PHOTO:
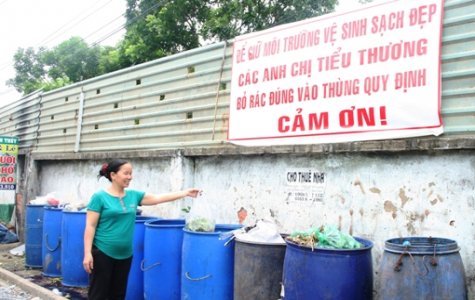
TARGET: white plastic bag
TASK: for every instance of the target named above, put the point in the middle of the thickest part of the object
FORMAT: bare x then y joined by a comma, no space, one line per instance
265,231
200,217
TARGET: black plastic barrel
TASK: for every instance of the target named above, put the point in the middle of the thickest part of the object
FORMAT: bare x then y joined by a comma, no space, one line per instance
422,268
51,250
258,270
322,273
34,235
135,281
72,250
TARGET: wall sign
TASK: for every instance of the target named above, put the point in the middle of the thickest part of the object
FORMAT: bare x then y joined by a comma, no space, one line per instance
371,73
8,161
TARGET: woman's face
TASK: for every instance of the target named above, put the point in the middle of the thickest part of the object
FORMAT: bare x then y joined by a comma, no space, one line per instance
123,175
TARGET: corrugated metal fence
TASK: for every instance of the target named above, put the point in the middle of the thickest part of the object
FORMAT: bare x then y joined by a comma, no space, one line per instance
182,101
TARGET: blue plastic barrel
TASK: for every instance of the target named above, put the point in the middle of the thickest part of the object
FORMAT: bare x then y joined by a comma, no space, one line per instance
72,250
51,248
422,268
162,258
34,235
207,270
135,281
321,273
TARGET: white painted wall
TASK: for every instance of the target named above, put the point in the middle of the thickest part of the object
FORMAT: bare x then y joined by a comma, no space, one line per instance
375,196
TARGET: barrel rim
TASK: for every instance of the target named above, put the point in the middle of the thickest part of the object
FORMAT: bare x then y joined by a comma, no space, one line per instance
283,235
53,208
366,243
259,243
73,212
228,227
176,223
440,246
143,219
37,205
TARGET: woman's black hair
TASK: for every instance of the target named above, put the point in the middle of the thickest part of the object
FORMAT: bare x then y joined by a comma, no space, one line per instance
112,166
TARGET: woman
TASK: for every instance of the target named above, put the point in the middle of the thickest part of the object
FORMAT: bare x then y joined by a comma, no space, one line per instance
110,222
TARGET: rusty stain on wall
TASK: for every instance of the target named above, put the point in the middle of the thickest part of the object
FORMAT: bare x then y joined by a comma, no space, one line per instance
412,218
351,222
242,215
375,190
358,183
404,198
440,198
390,207
342,199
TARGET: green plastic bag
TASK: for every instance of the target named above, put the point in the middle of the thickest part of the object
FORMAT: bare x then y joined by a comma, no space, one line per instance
331,237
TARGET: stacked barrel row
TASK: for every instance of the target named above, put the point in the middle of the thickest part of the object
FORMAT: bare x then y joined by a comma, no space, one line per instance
54,242
171,262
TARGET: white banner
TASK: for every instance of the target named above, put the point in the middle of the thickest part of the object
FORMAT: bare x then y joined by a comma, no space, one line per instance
372,73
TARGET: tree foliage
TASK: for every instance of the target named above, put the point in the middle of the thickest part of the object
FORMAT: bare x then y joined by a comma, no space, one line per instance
230,18
154,29
71,61
160,28
30,71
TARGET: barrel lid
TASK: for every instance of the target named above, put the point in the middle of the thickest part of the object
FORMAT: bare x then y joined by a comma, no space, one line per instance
421,245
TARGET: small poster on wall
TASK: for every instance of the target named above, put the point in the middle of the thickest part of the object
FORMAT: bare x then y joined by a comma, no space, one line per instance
368,74
8,161
304,186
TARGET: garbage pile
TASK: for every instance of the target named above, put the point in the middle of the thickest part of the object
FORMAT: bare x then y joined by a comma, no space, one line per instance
50,199
327,236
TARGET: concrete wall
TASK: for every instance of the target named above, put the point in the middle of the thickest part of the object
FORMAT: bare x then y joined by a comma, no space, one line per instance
372,195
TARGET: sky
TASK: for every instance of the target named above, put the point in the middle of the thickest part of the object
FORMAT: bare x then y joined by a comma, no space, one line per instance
33,23
47,23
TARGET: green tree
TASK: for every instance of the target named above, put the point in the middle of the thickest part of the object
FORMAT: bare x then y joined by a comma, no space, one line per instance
109,60
70,61
30,72
156,28
74,59
230,18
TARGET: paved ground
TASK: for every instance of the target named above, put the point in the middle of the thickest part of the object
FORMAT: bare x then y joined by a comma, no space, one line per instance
19,282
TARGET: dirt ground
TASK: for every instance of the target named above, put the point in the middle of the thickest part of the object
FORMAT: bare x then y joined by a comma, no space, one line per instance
16,264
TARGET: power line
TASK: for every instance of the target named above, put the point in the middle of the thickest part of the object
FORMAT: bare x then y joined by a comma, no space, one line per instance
102,27
65,28
6,65
131,21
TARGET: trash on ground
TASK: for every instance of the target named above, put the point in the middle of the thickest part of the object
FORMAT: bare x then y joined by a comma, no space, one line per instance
18,251
327,236
7,236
